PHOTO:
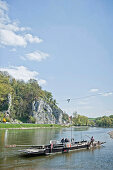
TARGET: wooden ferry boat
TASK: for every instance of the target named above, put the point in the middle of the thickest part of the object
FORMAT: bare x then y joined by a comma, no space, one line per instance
57,147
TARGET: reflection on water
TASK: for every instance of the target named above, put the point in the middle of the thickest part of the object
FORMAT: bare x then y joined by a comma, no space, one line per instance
100,158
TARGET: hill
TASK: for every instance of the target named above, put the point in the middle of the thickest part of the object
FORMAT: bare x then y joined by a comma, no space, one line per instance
27,102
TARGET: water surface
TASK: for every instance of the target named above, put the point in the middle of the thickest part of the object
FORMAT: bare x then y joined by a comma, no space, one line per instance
97,159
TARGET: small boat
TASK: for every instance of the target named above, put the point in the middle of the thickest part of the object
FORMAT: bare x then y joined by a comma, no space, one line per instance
57,147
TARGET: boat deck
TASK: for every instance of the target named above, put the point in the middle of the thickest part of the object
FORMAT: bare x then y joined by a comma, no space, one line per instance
62,148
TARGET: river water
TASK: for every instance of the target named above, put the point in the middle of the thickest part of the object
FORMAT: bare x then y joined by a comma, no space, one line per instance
97,159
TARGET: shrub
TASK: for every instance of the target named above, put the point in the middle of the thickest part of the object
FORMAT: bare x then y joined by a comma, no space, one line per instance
32,119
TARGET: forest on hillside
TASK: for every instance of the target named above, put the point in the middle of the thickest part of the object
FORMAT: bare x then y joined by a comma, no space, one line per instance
22,95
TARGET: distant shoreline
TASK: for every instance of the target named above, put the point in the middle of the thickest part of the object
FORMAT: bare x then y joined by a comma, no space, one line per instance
111,134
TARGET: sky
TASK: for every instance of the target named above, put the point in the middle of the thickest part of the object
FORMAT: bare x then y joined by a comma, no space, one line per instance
66,45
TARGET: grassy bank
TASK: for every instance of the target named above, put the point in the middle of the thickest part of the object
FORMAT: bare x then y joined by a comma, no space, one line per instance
26,125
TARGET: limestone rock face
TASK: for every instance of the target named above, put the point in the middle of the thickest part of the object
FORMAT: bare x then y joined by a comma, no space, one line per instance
44,114
9,103
58,114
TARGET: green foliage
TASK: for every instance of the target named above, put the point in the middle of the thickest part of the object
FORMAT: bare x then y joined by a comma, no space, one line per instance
65,117
23,94
27,125
79,120
104,121
5,89
8,119
1,117
91,123
32,119
49,99
111,116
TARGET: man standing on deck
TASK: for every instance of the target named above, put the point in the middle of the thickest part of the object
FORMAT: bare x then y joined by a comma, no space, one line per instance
62,141
92,140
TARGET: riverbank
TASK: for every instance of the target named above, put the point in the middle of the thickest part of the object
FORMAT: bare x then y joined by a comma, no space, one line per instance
111,134
28,126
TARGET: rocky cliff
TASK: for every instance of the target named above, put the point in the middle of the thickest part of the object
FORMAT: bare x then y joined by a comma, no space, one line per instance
16,102
45,114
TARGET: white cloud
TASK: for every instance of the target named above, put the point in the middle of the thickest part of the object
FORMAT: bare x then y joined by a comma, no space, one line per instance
94,90
36,56
42,82
10,33
31,39
8,37
3,5
12,26
22,73
3,13
107,94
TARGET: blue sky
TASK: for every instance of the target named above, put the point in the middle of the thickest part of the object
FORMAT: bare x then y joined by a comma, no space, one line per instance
66,45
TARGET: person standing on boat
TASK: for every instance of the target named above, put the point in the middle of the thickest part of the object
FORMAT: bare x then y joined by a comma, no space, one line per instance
62,141
72,140
66,140
92,140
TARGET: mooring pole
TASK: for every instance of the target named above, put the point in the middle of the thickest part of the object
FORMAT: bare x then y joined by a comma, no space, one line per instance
71,128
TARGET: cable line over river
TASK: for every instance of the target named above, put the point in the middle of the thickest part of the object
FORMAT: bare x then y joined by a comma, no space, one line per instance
88,96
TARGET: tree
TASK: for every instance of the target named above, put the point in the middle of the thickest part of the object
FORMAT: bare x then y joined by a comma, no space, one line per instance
104,121
5,89
80,120
22,94
65,117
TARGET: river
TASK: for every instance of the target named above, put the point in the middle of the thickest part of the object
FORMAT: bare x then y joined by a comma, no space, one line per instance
97,159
